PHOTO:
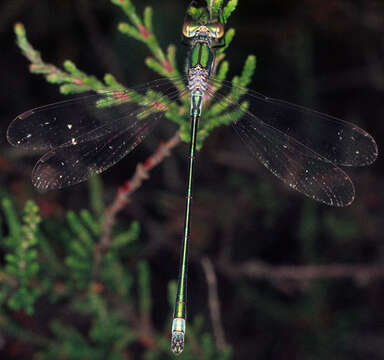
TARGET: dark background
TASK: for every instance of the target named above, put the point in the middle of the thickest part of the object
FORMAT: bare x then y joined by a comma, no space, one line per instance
327,55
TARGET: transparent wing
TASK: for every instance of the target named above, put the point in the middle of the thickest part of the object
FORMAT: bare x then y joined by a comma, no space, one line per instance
281,136
295,164
52,125
72,164
340,142
88,135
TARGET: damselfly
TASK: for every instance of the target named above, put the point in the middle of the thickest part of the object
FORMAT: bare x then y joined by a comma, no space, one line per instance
87,135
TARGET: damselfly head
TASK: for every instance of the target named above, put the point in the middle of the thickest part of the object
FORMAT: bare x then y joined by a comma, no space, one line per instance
212,30
204,20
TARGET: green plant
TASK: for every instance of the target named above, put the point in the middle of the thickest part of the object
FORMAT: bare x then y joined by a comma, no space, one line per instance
72,80
83,273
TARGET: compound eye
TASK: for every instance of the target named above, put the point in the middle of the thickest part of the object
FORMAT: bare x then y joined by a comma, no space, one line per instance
216,30
186,29
219,30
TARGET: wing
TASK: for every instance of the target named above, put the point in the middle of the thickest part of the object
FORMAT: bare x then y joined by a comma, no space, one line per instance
69,165
311,171
341,142
52,125
295,164
88,135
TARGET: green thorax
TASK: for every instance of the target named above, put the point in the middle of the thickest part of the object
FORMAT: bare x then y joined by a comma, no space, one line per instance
201,55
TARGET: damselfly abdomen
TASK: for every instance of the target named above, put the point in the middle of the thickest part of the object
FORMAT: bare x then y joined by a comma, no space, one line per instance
87,135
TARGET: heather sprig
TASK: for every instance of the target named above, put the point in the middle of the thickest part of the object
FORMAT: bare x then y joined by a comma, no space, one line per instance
73,80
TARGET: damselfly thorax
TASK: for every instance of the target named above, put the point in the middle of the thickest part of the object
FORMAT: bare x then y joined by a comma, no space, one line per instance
201,60
89,134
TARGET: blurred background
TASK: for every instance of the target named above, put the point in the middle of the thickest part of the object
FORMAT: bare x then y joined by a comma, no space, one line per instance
295,279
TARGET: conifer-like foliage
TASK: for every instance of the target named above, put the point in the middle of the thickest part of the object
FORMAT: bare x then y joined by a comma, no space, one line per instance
72,80
101,297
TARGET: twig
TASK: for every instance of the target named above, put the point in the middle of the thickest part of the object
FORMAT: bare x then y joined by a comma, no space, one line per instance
260,270
125,191
214,304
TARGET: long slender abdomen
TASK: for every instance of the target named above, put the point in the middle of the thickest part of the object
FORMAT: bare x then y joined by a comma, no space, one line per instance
196,102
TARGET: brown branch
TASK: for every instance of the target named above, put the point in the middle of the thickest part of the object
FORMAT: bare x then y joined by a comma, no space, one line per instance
214,304
260,270
123,195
